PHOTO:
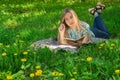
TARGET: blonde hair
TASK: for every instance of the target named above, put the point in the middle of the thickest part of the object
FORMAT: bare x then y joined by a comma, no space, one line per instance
69,10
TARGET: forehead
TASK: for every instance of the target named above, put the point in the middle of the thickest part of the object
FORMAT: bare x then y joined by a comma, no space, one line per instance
68,14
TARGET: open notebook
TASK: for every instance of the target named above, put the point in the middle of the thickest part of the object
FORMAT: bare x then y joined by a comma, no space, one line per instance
74,40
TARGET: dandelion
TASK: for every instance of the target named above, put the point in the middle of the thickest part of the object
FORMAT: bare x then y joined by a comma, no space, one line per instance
1,44
112,44
38,72
7,46
9,77
15,54
23,59
21,41
55,73
25,53
101,45
74,73
117,71
32,75
37,67
4,54
89,59
61,74
72,79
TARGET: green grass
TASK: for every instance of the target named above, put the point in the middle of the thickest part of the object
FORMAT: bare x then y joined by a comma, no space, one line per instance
23,23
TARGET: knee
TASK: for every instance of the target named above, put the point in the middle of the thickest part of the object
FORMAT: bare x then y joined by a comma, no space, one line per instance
107,36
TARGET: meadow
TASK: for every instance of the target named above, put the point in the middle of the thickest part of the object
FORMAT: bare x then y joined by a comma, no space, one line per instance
24,22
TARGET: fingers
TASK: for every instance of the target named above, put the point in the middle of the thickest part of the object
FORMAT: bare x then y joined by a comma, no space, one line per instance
62,27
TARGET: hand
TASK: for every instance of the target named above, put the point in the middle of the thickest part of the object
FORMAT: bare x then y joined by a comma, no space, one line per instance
61,28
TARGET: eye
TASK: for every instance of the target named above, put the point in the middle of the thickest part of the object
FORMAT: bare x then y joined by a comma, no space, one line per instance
66,19
71,17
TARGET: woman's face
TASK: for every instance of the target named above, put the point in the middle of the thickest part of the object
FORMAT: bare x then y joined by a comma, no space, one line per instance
70,20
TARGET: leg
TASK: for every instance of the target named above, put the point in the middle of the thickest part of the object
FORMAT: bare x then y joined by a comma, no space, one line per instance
100,34
99,24
99,28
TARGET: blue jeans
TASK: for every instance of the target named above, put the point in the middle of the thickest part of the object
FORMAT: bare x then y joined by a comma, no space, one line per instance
99,28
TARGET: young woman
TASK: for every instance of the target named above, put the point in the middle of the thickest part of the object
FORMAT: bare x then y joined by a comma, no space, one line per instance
72,28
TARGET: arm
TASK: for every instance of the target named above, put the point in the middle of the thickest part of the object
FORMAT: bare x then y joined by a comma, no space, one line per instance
85,39
76,44
61,38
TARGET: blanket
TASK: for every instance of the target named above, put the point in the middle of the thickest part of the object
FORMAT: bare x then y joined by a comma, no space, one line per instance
51,43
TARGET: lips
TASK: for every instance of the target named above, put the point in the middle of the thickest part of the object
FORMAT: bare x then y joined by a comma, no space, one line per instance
72,23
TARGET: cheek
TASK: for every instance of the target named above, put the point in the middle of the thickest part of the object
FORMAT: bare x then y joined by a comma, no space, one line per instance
67,22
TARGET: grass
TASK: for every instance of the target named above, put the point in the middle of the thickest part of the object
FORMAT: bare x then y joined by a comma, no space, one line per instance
21,24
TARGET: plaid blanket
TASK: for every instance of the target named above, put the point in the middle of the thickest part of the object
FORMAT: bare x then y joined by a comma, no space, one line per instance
51,43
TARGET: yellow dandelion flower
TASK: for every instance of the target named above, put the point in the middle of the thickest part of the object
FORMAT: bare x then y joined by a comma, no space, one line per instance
102,44
112,44
15,54
21,41
74,73
38,72
89,59
72,79
7,46
32,75
1,44
61,74
117,71
23,59
25,53
4,54
37,67
55,73
9,77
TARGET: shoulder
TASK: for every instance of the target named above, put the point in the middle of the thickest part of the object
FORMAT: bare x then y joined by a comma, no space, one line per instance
84,24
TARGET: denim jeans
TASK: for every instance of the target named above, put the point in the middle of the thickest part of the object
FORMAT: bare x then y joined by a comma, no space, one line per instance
99,28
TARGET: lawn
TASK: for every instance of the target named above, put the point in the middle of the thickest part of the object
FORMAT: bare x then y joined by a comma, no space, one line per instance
25,22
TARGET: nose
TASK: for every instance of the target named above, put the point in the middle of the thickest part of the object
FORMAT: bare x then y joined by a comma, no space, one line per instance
71,21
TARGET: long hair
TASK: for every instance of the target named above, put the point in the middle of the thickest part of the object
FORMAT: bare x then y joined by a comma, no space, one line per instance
79,27
66,10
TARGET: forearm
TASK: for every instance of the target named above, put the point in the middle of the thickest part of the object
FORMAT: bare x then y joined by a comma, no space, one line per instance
61,39
76,44
85,40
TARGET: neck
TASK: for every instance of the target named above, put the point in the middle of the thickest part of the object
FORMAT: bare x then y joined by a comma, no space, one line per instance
74,28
